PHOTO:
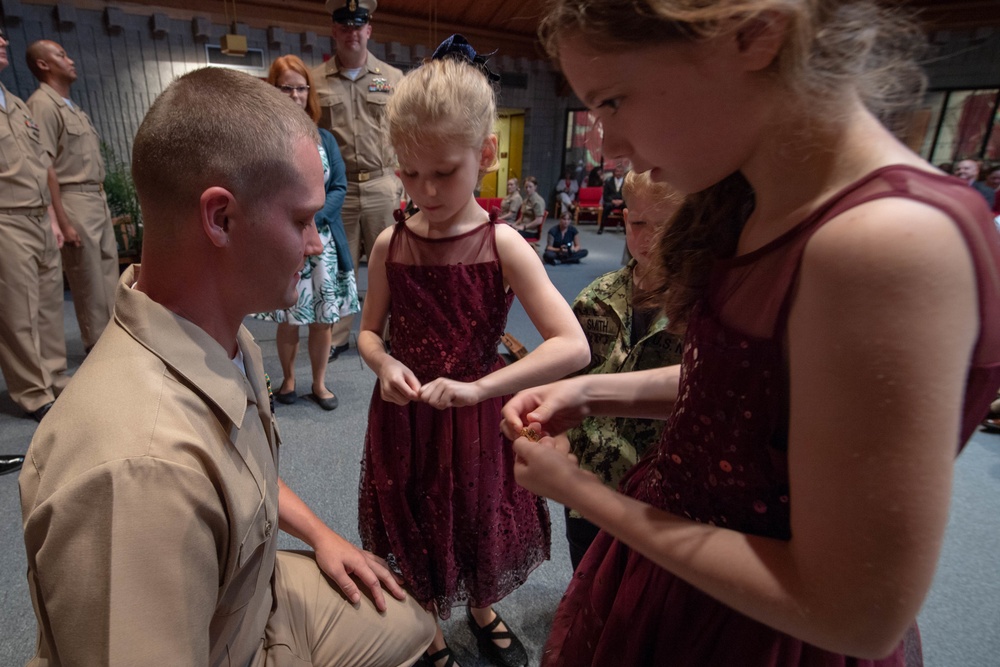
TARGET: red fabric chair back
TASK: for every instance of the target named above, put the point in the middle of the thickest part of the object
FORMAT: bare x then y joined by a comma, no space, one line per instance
589,201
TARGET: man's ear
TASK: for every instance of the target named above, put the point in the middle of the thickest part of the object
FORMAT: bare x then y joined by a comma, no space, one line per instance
625,214
760,40
215,207
488,155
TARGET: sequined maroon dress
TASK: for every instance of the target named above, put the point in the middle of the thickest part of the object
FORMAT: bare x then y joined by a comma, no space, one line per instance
437,495
723,456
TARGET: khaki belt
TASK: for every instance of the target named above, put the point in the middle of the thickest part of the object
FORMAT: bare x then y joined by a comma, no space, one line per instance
365,175
37,211
82,187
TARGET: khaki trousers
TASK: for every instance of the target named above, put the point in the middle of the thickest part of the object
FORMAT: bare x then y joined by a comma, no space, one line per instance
314,624
92,269
32,340
367,211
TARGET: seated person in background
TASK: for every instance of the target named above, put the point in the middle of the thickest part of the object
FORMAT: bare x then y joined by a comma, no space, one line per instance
563,245
510,207
530,223
993,182
595,178
968,171
151,502
566,190
613,198
623,338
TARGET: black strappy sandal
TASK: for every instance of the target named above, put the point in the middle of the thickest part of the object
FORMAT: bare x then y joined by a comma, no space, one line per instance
514,655
431,659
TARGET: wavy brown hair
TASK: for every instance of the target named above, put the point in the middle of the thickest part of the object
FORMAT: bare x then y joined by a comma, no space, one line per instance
831,47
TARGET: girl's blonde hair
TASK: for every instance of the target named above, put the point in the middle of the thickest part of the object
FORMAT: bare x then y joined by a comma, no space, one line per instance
831,48
638,185
443,99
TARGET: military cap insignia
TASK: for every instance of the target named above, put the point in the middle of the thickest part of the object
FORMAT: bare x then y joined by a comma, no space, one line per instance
352,5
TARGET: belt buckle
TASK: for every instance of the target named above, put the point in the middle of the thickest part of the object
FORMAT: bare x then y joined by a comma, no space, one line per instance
363,176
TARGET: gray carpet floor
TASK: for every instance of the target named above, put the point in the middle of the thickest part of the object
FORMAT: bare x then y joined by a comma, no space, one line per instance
960,622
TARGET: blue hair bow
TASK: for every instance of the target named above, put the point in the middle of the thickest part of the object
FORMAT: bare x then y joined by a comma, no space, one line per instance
458,47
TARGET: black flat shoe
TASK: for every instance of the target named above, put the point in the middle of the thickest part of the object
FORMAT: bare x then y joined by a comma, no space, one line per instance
325,403
10,464
287,398
430,659
38,414
514,655
338,350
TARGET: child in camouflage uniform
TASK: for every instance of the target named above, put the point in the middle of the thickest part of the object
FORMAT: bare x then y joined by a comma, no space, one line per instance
622,338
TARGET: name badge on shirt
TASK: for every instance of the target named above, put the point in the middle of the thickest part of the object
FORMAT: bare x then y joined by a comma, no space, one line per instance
601,326
380,85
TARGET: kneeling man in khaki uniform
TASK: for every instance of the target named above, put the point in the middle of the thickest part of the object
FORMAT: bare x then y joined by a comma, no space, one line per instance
150,496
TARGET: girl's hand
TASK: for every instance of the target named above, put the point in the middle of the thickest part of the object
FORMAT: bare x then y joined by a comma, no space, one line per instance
398,383
444,393
556,407
547,468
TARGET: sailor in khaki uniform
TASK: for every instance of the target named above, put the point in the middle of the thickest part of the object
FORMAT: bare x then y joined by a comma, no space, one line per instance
150,498
76,180
32,341
354,88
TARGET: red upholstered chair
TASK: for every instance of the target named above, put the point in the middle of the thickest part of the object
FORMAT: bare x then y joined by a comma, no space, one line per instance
589,202
489,203
614,217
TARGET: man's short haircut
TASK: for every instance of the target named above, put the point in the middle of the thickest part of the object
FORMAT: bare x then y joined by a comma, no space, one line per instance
36,51
215,127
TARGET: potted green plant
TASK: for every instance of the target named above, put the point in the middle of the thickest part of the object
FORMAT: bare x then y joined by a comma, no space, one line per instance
124,206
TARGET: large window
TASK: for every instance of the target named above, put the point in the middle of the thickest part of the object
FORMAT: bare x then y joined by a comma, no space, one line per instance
961,124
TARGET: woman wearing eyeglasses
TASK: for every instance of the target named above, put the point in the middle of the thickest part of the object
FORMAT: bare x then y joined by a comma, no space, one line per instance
327,286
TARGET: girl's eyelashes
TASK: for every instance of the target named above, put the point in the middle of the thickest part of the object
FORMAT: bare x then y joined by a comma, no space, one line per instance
610,103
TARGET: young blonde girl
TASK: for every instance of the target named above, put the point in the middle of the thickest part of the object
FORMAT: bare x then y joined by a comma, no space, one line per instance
438,497
829,281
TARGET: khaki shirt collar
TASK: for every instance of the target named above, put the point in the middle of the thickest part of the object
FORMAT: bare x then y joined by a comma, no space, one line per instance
372,65
51,92
173,339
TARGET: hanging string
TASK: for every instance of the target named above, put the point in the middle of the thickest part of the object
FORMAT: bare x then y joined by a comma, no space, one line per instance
225,8
432,22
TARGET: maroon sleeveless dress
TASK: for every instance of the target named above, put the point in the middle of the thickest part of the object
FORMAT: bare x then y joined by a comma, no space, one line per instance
723,456
437,496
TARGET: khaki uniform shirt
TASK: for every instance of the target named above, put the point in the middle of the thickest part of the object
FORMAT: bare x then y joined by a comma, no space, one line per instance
150,500
510,206
355,112
610,446
23,171
68,137
534,208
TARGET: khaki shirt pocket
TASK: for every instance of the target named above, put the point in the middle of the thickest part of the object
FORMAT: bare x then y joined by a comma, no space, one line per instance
334,112
9,150
251,557
77,130
377,105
